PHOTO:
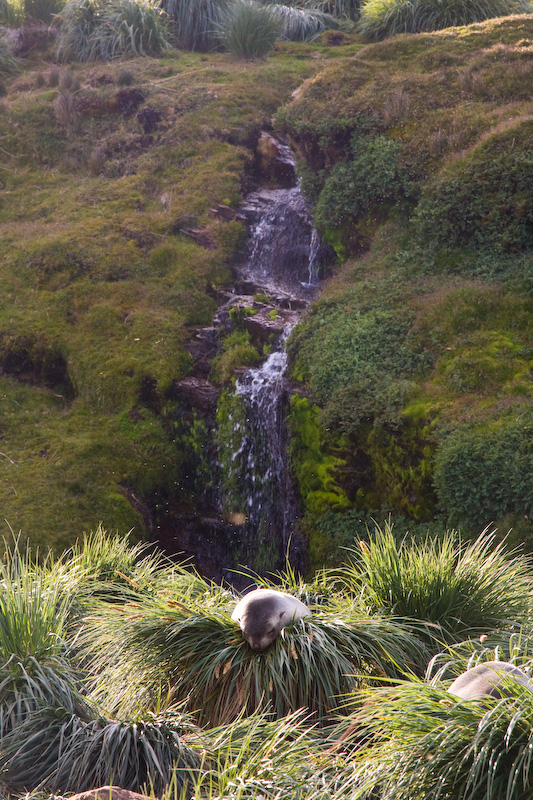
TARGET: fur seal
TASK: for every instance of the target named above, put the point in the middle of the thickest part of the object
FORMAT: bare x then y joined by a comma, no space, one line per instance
263,613
486,679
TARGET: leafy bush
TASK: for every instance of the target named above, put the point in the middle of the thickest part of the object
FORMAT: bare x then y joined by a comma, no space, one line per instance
484,472
462,589
357,364
237,350
373,177
483,199
382,18
94,29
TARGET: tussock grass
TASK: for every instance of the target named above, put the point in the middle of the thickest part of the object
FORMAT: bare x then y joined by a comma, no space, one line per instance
188,640
383,18
92,29
462,588
417,731
9,64
302,24
248,29
63,753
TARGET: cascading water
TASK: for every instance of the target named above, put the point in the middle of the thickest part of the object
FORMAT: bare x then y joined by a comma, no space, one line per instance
281,258
236,506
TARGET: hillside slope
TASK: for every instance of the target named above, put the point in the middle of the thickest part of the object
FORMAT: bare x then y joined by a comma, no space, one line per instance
110,257
418,153
415,363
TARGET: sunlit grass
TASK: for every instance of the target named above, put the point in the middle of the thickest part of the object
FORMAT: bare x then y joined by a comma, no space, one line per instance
461,588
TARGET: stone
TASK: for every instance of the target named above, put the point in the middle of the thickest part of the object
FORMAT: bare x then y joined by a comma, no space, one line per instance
275,160
197,393
109,793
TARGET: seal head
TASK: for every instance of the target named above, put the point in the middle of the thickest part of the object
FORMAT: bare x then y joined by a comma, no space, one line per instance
263,613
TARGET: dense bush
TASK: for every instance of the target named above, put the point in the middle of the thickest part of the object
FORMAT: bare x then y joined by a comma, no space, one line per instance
373,178
382,18
93,29
483,199
484,471
357,364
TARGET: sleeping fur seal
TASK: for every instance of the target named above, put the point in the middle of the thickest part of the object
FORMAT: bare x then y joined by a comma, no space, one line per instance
264,612
485,680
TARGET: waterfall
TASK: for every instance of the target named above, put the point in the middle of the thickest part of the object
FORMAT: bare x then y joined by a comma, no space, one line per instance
235,506
282,259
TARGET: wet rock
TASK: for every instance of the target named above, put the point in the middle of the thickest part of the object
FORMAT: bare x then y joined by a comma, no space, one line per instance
226,213
267,322
275,160
197,393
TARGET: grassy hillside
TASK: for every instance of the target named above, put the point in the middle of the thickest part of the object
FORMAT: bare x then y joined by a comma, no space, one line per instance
103,168
418,356
415,363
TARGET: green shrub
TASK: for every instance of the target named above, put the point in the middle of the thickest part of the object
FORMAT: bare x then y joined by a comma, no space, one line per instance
482,200
382,18
314,467
483,472
237,350
372,178
357,364
94,29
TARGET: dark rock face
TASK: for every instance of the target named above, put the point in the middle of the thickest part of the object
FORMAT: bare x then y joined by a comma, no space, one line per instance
275,160
197,393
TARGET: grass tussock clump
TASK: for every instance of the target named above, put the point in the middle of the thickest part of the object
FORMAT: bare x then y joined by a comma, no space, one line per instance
186,637
64,753
96,691
461,588
9,64
248,29
92,30
383,18
417,731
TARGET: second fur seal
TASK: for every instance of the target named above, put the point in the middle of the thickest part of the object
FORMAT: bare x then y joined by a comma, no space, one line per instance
486,680
263,613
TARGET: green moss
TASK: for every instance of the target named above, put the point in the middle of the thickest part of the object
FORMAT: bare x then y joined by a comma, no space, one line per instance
237,351
314,465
